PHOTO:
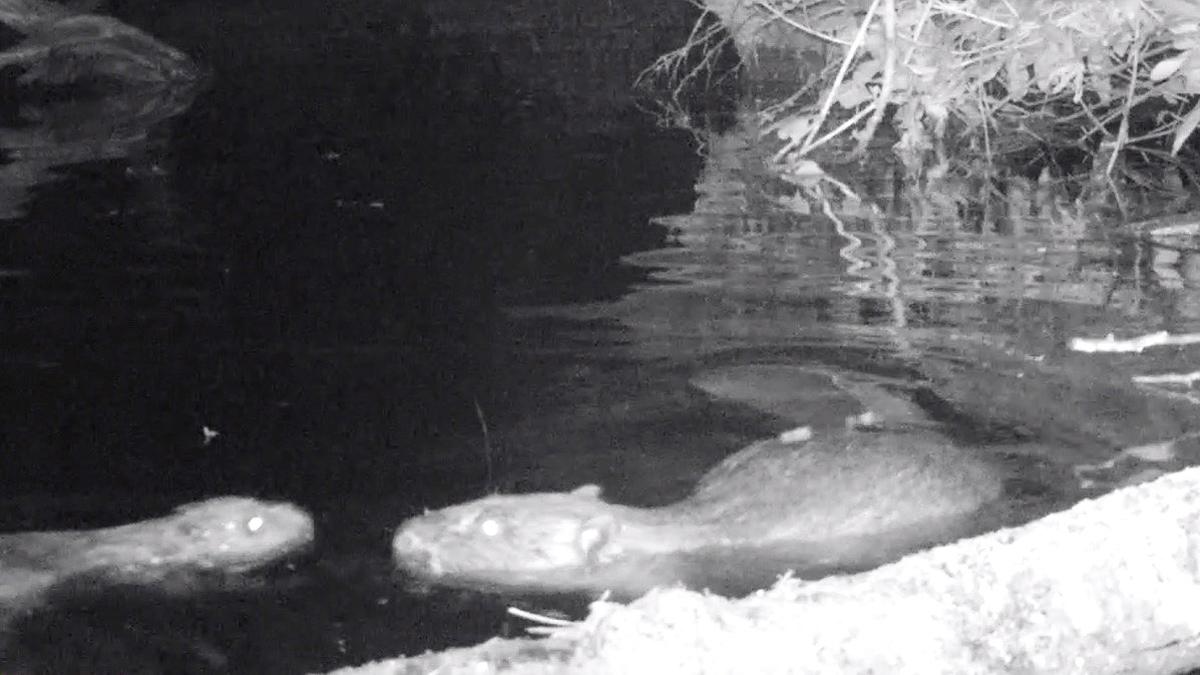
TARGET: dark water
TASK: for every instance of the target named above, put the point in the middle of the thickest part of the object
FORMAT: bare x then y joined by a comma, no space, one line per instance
363,244
310,261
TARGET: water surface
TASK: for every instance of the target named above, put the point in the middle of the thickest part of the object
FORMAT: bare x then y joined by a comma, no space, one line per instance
363,245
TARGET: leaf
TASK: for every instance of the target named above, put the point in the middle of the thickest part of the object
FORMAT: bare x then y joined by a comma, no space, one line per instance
795,127
851,96
926,73
1166,68
806,168
1017,78
1186,126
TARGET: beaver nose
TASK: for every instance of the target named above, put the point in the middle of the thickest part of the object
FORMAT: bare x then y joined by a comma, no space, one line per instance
410,551
414,559
417,560
406,541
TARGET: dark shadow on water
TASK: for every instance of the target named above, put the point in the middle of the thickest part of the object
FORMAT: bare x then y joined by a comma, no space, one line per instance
294,292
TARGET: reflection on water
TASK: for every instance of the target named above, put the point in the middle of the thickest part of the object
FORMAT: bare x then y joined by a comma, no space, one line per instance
965,308
975,289
285,276
50,133
288,290
966,302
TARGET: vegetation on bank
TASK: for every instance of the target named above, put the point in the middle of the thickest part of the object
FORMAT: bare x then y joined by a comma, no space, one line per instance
1109,77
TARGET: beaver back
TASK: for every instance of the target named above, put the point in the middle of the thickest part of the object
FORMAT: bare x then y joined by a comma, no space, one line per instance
838,485
844,500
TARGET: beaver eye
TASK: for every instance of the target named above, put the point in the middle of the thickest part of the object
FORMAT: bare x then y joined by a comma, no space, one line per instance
490,527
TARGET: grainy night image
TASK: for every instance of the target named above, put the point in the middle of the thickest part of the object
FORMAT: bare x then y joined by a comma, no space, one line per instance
404,336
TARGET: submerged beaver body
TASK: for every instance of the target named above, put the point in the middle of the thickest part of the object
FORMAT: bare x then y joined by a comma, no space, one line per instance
226,534
843,500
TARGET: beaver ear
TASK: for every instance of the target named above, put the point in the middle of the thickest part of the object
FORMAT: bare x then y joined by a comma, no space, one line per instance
590,490
594,536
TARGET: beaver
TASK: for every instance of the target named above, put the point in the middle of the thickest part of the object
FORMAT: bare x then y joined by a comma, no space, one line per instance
223,535
820,396
841,501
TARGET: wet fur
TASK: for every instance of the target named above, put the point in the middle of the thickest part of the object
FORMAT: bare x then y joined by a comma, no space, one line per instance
227,534
842,500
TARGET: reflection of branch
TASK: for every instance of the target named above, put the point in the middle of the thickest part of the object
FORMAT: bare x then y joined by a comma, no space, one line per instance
1169,378
1138,344
1186,381
64,47
849,252
74,131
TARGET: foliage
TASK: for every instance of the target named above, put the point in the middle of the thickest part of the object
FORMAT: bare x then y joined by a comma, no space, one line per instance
680,84
1104,75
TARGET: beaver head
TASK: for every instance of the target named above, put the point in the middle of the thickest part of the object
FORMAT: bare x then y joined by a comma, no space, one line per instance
511,539
233,534
225,534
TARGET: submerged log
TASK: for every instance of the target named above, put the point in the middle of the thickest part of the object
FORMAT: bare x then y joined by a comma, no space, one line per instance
62,46
1108,586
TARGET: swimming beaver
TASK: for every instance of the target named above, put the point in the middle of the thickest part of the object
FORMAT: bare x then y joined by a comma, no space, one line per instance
225,534
844,500
816,395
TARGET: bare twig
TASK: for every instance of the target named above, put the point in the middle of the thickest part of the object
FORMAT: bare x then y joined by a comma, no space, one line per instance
889,76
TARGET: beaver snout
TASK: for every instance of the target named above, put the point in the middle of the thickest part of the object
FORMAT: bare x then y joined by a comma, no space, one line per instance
412,553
